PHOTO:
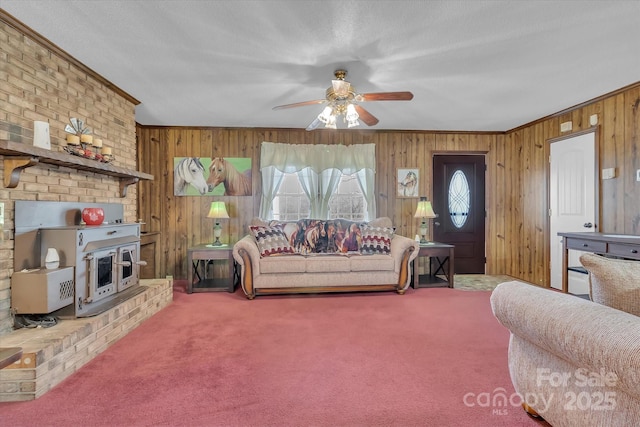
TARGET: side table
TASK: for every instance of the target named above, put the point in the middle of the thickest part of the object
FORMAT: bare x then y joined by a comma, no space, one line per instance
198,259
442,253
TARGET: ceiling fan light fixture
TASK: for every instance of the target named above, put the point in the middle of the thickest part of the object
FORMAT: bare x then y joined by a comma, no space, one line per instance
352,116
326,115
331,124
342,99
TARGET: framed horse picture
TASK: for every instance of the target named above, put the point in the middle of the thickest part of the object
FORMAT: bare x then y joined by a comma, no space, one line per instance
407,180
218,176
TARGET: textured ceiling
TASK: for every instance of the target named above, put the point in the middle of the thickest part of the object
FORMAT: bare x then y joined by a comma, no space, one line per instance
471,65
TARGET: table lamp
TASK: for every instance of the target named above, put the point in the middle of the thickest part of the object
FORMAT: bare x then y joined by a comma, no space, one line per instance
217,211
424,211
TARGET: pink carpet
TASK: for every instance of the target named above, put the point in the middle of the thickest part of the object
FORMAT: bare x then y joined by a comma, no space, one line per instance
427,358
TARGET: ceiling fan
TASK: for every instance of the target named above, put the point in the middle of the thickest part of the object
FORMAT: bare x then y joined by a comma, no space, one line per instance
342,99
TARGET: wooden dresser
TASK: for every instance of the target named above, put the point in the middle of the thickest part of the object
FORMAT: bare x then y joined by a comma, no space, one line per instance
614,245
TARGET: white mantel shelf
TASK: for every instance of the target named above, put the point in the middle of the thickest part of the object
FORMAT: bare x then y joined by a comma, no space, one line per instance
18,156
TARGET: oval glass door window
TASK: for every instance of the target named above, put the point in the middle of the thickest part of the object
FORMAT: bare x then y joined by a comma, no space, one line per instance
459,198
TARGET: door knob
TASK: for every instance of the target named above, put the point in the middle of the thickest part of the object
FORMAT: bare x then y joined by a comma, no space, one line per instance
437,224
587,225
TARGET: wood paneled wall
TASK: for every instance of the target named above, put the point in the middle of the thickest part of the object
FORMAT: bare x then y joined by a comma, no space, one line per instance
517,227
525,195
183,222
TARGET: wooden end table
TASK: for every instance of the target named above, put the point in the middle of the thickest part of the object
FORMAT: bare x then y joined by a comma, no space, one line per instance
198,259
442,253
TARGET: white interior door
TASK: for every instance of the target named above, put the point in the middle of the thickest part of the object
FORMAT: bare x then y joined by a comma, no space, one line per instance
573,201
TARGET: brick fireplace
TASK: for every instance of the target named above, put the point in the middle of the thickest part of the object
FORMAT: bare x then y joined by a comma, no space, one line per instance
52,354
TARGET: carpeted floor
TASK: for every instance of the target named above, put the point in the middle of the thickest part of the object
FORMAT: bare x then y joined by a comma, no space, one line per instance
426,358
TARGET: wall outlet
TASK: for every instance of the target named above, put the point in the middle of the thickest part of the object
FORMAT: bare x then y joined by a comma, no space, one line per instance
593,119
566,126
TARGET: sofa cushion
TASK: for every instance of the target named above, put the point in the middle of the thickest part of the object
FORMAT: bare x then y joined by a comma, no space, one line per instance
328,264
372,263
283,264
271,240
376,240
613,282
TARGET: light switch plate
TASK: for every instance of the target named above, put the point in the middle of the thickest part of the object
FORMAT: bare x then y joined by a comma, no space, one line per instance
638,175
608,173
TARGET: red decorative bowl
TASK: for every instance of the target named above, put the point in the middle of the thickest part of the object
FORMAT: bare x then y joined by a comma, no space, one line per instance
93,216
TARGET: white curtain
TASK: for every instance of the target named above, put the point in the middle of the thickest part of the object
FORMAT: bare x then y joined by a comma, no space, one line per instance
309,181
366,179
271,180
329,180
319,167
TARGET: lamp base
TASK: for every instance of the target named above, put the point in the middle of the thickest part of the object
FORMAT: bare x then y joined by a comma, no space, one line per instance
217,242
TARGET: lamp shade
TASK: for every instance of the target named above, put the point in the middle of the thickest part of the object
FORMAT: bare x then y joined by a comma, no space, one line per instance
217,210
424,210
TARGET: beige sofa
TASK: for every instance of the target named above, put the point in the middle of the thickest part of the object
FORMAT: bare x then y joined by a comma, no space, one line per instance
572,361
320,261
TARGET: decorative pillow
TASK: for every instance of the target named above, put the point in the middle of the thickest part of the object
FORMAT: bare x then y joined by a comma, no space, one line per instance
271,240
343,236
376,240
259,221
382,221
613,282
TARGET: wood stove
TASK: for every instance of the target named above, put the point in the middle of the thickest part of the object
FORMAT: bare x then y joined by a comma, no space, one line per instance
105,258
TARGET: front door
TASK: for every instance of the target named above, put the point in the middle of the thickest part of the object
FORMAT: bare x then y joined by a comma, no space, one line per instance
458,200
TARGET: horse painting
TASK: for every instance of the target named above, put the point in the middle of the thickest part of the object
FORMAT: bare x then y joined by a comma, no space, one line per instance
408,185
223,172
189,171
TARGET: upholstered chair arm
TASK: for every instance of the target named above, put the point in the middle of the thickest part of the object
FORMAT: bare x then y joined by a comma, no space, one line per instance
399,245
247,256
590,335
403,251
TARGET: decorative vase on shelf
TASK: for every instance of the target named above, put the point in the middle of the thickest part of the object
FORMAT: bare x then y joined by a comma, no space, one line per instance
52,260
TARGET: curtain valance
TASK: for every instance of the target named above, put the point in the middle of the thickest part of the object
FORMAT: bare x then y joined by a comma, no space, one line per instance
290,158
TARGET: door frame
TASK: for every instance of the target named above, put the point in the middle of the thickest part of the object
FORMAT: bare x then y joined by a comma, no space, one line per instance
597,188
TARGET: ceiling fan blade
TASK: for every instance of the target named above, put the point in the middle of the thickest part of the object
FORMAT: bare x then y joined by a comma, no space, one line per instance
385,96
314,124
300,104
368,118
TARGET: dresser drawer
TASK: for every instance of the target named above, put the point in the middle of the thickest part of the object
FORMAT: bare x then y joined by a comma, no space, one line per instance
625,251
586,245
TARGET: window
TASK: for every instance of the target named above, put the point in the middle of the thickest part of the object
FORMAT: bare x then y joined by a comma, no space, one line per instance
317,181
459,198
347,201
291,203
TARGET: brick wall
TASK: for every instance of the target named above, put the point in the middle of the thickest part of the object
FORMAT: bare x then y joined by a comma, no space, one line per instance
38,84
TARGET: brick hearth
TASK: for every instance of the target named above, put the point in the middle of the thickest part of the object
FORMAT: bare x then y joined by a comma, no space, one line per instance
52,354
